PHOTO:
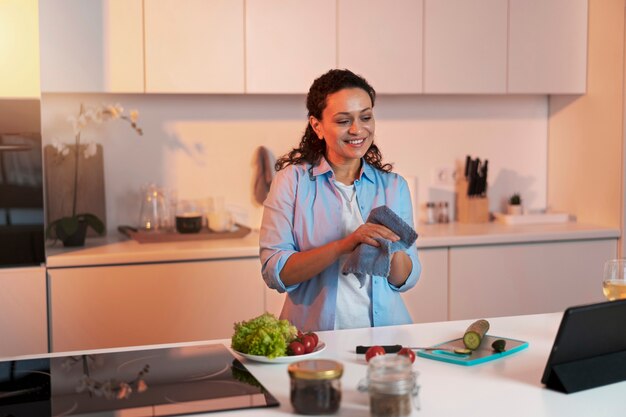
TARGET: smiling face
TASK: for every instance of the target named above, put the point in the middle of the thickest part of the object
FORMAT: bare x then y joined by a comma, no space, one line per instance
347,126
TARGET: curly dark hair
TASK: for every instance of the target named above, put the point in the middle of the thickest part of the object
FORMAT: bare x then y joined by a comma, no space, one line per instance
311,149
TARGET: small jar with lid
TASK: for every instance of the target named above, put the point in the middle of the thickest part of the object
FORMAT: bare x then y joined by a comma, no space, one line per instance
392,386
315,386
431,216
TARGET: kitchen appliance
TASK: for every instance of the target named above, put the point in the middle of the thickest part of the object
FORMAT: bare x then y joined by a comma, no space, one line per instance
21,184
165,382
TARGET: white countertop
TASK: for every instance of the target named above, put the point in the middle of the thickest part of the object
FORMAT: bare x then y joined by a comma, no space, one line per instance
117,249
507,387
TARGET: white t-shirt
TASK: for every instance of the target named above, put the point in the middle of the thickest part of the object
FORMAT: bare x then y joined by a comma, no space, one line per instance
354,302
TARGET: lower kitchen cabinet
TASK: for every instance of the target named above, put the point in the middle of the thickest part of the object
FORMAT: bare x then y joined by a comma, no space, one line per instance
503,280
113,306
426,302
23,325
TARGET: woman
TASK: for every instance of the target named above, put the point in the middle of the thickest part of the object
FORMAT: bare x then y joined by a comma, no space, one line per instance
313,215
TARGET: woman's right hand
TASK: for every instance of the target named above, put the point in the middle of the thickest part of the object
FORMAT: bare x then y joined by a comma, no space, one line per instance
367,233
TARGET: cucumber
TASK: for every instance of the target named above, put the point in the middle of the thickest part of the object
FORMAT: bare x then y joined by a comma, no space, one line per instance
475,333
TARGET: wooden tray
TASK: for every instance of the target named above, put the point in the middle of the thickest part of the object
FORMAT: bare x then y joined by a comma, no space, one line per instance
173,236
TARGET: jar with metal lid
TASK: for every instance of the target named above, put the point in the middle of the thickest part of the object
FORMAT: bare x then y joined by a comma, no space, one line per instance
315,386
392,386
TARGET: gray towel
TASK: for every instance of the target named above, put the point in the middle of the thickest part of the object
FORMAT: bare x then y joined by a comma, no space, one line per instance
367,259
264,174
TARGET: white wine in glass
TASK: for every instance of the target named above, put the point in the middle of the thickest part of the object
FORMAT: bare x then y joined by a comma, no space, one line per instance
614,280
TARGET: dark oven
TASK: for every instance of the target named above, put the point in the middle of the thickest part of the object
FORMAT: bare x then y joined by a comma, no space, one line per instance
21,184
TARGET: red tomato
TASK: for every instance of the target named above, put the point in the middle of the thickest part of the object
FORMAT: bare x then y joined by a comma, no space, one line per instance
295,348
309,343
316,339
407,352
374,351
300,334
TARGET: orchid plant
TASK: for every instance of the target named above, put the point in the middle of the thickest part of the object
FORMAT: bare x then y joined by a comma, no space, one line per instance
68,226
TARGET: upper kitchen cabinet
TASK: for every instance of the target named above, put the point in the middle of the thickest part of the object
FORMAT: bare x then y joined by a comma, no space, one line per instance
548,46
465,46
19,49
194,46
288,44
382,43
91,46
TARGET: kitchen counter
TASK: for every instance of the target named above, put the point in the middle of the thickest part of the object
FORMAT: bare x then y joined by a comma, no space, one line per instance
509,387
118,250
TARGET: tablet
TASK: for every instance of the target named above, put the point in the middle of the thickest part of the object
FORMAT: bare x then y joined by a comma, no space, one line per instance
590,339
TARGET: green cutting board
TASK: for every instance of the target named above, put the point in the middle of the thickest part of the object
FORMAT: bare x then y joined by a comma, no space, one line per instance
484,353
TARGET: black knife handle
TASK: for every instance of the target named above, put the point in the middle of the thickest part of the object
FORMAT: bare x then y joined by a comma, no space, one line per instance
388,349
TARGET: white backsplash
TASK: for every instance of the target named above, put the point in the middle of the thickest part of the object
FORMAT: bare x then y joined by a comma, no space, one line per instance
204,145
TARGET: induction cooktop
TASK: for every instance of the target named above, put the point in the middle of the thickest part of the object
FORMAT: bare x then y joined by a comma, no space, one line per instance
156,382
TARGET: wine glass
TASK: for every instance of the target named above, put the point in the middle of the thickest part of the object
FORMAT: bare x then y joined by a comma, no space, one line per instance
614,281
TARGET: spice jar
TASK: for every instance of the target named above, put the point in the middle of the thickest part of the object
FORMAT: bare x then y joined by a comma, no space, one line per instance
431,217
315,386
442,210
391,383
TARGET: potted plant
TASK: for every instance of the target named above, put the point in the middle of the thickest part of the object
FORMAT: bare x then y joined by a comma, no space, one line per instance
515,205
72,229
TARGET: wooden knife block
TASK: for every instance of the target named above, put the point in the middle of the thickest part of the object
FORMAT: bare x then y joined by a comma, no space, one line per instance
470,209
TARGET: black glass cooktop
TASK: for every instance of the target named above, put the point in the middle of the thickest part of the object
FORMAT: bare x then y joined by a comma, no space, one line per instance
155,382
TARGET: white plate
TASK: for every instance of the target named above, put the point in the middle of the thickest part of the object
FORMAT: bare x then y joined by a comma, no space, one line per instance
284,359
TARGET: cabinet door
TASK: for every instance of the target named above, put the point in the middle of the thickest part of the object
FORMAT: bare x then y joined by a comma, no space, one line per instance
465,46
194,46
91,46
288,44
19,49
382,43
487,281
23,311
428,300
101,307
547,46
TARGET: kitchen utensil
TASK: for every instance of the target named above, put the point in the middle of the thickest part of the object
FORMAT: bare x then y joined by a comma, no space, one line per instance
396,348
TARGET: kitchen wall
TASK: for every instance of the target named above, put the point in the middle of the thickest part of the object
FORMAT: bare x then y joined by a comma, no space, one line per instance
204,145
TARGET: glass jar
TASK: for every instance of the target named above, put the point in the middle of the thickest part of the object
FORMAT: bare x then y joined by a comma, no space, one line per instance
392,386
315,386
431,217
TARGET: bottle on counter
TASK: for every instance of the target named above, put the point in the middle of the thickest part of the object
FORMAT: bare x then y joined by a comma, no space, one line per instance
315,386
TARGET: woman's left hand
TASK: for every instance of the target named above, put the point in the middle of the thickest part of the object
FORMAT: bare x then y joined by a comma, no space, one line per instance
368,233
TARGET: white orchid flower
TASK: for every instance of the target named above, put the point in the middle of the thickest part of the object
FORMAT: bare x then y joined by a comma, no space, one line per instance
61,148
90,150
78,123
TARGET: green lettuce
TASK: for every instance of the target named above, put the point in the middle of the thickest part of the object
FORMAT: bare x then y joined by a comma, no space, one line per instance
264,335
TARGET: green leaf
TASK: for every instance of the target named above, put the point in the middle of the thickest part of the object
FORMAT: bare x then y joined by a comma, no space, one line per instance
51,230
93,221
69,225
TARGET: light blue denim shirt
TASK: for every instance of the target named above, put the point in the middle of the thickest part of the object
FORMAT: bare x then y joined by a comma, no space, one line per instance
303,212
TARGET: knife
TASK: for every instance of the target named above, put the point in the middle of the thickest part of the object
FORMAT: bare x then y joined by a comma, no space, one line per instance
483,190
396,348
